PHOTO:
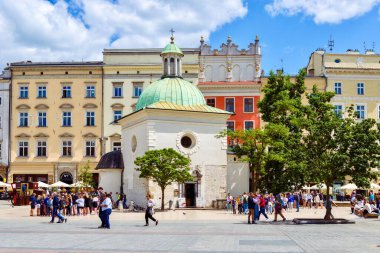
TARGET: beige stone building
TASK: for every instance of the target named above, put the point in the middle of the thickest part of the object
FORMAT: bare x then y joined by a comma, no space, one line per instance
56,120
127,72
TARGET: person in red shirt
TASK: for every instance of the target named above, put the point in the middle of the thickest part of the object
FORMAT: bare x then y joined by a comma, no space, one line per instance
262,207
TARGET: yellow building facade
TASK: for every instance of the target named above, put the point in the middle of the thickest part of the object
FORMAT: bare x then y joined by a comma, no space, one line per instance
56,120
354,77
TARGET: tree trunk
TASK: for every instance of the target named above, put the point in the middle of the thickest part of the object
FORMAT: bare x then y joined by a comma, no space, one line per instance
328,215
162,198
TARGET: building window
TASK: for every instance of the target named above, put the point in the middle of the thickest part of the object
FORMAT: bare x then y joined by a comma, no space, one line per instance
1,150
90,91
118,91
231,125
90,148
338,88
360,87
41,148
116,115
230,104
42,119
1,100
41,93
90,118
66,148
137,89
116,145
24,91
66,92
211,102
248,125
360,111
248,104
23,147
1,123
338,110
23,119
66,119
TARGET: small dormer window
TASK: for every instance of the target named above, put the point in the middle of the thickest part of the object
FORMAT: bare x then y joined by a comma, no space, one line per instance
337,60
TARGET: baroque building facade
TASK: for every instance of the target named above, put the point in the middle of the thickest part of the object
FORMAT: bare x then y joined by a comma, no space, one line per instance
56,120
229,78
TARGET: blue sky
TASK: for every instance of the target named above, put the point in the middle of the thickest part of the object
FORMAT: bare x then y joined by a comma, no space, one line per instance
289,30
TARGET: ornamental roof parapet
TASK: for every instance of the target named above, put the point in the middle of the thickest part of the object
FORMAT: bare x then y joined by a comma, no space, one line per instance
230,48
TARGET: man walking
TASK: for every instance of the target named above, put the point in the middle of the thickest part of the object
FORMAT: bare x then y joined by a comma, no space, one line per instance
55,212
102,197
251,208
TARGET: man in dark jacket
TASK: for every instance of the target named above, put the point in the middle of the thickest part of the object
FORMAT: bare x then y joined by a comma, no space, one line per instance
251,208
56,207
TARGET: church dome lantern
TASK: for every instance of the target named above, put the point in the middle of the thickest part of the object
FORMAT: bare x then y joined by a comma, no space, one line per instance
172,59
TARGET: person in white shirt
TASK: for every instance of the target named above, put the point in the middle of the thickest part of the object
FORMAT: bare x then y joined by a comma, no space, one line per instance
80,203
149,210
106,206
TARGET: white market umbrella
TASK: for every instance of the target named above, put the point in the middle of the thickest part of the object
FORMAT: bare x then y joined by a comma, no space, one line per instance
318,186
374,186
42,185
79,184
59,184
306,187
2,184
349,187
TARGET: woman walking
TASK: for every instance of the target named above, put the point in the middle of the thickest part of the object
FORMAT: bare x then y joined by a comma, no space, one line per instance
278,208
149,210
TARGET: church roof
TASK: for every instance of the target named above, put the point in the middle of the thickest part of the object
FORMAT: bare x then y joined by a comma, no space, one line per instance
111,160
173,90
172,48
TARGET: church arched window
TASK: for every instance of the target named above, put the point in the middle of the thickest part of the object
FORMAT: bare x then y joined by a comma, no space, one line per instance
166,67
172,67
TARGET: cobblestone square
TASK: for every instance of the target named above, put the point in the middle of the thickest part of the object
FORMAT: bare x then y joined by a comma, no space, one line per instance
185,231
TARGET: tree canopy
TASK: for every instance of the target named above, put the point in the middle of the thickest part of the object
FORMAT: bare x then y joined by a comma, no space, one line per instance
164,166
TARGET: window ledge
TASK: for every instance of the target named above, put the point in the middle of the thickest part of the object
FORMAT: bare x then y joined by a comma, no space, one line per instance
66,156
117,97
90,156
41,126
66,97
41,97
23,126
23,157
41,157
23,98
66,126
89,126
90,97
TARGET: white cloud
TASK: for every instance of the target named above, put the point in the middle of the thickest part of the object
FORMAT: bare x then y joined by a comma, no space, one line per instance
322,11
40,31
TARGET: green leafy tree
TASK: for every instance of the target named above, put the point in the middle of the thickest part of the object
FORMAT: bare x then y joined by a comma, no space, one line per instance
282,107
337,147
252,146
85,175
164,166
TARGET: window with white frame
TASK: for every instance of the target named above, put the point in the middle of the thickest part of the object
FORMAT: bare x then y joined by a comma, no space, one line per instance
24,91
23,148
41,148
248,104
23,119
230,104
90,118
90,91
338,110
360,111
66,91
66,148
137,89
118,91
117,114
360,88
248,124
338,88
41,119
116,145
90,148
41,92
66,119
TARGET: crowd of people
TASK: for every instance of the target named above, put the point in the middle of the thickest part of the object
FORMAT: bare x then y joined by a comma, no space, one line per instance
255,205
64,204
364,206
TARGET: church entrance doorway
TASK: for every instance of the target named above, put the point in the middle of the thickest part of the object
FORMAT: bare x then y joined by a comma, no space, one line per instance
190,194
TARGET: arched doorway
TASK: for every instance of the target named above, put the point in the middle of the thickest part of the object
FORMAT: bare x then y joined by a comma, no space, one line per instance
66,177
1,179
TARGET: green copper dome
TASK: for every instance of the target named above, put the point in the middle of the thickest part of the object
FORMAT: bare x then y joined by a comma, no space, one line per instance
172,90
172,48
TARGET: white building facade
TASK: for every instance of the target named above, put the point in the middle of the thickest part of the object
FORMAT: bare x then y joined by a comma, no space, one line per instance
5,80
